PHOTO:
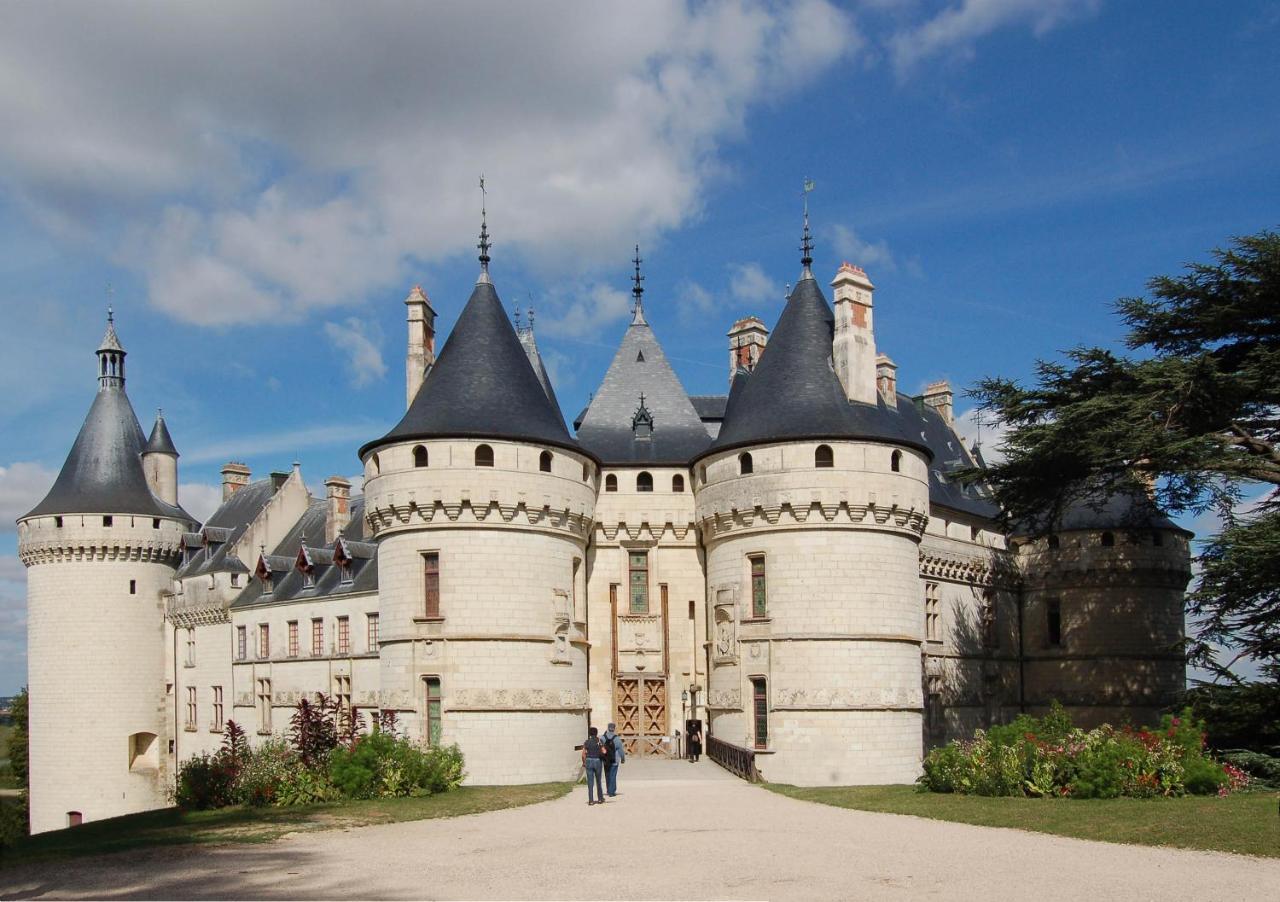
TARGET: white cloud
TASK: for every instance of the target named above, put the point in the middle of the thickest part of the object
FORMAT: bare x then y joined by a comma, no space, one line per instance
748,282
252,169
991,432
199,499
585,312
364,357
870,255
22,485
959,26
693,299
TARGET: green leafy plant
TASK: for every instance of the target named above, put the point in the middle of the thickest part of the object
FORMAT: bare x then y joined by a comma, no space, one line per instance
206,781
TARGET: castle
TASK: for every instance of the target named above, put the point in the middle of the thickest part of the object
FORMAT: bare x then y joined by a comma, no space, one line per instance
792,563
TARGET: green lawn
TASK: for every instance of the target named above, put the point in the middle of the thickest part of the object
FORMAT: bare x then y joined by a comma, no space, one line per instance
1248,823
255,825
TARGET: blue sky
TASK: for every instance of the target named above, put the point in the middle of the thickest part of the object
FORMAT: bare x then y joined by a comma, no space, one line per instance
262,187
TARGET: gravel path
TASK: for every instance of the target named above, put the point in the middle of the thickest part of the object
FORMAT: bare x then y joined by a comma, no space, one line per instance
675,831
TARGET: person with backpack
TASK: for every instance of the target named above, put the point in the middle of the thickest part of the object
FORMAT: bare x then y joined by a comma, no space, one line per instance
593,761
614,754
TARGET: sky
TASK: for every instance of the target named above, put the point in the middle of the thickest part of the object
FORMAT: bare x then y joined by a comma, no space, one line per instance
256,187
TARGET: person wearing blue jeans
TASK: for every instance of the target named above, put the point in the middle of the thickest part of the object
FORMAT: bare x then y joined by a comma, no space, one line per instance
593,761
614,754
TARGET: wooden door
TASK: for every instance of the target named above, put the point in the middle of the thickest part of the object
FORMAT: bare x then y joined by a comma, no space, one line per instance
641,715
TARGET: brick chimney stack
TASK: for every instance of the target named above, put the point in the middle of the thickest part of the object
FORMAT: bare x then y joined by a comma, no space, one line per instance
853,350
938,396
422,342
235,476
747,339
338,513
887,379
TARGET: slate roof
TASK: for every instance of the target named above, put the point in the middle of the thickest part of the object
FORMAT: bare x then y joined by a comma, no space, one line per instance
535,360
289,583
481,386
211,548
949,455
794,392
103,473
160,442
640,367
709,407
1125,509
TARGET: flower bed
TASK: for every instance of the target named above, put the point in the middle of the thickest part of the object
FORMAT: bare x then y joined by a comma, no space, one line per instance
1049,756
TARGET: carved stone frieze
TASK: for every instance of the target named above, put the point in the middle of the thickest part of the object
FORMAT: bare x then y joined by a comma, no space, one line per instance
518,700
725,699
829,698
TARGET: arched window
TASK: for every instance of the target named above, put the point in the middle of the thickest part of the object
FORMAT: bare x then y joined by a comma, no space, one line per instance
677,483
544,462
611,483
373,465
745,465
419,456
1108,540
823,457
1054,543
895,462
484,456
644,482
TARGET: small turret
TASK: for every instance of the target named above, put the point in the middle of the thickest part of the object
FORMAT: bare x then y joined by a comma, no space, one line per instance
160,462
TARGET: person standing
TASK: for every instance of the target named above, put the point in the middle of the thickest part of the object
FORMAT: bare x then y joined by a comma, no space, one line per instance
614,754
693,739
593,761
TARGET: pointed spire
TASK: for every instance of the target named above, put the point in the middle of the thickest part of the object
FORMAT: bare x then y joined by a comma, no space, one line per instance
806,244
111,356
484,244
160,441
637,290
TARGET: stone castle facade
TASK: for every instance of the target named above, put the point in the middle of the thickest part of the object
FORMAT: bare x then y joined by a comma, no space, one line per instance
792,563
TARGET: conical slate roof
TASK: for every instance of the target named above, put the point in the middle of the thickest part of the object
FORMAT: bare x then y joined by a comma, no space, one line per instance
160,442
640,368
481,386
794,392
535,360
103,473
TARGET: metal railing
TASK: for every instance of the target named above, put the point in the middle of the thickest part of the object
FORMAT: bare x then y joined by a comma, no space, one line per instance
734,758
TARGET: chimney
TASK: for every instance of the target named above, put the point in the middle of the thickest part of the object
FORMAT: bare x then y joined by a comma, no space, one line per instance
338,513
747,339
887,379
853,351
235,476
278,479
422,342
938,396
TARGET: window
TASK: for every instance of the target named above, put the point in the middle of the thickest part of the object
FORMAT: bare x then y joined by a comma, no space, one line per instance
639,567
344,635
308,578
693,610
586,472
431,584
677,483
264,706
420,456
431,686
133,587
644,482
760,705
155,523
107,521
757,586
371,632
242,642
317,637
484,456
611,483
191,648
573,589
293,638
57,522
344,573
217,707
895,462
1054,543
342,691
932,627
191,707
235,580
990,632
144,752
544,462
745,465
1108,540
264,641
1053,617
374,466
702,475
823,457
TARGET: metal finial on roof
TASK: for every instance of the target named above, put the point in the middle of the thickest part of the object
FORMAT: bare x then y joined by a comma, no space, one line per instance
806,245
531,317
516,309
484,244
637,291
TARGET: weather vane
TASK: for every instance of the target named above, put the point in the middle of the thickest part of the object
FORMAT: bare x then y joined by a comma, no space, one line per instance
806,245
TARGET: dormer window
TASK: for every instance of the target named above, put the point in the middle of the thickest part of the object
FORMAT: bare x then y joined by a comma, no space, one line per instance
308,578
642,422
344,570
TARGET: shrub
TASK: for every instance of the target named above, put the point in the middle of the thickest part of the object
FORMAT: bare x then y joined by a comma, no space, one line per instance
1050,757
305,786
1240,716
263,770
312,731
1263,770
14,822
206,781
381,764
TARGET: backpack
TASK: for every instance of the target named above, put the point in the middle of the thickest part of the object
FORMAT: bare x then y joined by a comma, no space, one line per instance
607,749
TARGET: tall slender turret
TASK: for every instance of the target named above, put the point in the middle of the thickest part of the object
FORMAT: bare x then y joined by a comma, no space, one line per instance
100,549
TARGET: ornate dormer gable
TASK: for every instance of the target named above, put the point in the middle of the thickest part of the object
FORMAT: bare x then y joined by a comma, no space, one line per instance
642,422
264,573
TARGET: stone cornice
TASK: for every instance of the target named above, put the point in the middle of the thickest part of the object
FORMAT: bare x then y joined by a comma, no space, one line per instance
55,552
994,569
189,618
392,515
644,531
811,513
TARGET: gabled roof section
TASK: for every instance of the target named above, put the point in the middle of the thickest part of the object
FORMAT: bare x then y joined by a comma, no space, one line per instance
794,393
640,368
103,473
482,386
224,527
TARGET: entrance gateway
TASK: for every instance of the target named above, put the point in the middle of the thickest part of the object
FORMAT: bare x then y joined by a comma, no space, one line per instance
641,706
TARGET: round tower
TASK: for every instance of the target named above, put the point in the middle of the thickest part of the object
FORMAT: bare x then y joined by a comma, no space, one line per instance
481,504
811,507
100,549
1103,611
